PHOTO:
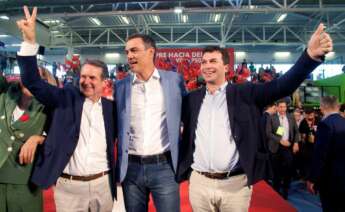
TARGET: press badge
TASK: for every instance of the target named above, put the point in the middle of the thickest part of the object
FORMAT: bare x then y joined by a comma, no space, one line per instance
280,131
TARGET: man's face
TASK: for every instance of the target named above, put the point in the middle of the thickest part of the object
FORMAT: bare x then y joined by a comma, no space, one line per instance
138,56
281,108
310,116
91,82
213,68
297,116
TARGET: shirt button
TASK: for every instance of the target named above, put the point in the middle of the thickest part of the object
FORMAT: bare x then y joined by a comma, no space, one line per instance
9,149
13,138
21,135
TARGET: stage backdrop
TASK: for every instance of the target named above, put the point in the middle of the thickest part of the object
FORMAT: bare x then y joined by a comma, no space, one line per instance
185,61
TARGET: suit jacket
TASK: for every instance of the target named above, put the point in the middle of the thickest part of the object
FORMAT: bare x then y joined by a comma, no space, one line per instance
271,128
245,103
328,172
173,90
67,105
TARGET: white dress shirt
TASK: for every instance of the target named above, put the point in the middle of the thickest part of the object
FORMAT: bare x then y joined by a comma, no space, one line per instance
284,122
215,148
90,155
148,124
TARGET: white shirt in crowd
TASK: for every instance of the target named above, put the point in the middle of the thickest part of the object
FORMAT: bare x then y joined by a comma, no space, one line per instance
284,122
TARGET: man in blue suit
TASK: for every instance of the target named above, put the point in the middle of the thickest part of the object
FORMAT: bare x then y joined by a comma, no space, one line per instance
328,173
149,108
78,154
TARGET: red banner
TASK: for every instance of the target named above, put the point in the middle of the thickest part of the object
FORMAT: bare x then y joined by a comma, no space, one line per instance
186,61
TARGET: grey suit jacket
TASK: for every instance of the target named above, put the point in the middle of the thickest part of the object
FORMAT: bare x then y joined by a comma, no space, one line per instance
271,129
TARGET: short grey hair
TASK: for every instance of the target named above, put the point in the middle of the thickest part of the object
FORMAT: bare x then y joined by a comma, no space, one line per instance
330,102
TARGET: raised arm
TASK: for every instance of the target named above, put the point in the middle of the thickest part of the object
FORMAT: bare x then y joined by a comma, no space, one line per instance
319,45
47,94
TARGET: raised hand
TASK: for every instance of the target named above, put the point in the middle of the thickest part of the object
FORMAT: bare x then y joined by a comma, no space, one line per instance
28,25
320,43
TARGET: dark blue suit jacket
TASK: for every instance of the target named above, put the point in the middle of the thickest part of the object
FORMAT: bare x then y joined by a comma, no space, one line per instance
328,169
67,105
245,103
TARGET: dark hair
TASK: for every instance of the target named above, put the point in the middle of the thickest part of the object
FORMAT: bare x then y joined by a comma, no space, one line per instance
281,101
342,107
149,42
224,52
309,110
99,64
269,105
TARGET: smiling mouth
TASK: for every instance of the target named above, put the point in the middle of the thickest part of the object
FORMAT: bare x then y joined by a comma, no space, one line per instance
132,63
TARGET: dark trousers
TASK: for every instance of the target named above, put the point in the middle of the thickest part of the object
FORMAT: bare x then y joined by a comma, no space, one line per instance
332,200
282,170
157,179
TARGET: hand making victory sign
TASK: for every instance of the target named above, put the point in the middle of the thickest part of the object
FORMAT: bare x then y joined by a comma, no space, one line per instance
28,25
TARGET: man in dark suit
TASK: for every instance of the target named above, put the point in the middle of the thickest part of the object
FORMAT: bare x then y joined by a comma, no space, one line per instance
283,136
78,154
222,128
328,173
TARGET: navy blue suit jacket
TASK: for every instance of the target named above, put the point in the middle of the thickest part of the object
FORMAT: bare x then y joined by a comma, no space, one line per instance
245,103
66,104
328,169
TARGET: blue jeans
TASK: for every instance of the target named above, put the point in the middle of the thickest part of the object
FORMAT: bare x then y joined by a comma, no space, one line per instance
157,179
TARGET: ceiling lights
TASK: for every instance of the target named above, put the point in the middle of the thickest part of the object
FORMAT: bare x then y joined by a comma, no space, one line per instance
96,21
125,19
281,17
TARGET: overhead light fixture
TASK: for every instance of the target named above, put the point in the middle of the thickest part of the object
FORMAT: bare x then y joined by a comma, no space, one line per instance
55,32
4,36
15,44
112,55
184,18
217,18
96,21
156,18
4,17
125,19
178,10
51,21
281,17
282,54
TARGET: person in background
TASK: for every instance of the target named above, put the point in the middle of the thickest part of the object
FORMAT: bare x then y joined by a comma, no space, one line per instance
327,174
307,131
283,138
342,110
297,114
22,122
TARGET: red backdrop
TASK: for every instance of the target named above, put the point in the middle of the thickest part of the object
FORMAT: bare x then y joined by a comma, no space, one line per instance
186,61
